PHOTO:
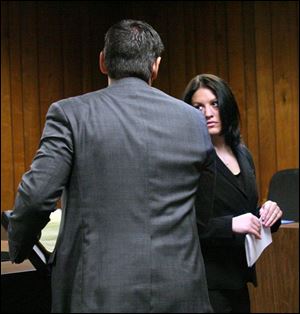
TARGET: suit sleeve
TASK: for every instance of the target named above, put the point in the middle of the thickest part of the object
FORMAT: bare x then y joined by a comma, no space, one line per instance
218,227
42,186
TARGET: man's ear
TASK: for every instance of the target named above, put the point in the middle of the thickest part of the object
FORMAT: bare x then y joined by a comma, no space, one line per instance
155,68
102,65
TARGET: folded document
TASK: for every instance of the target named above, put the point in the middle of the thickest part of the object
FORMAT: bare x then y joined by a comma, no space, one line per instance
254,247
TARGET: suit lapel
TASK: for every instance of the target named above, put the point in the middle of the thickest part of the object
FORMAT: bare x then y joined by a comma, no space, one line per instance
239,199
229,192
248,177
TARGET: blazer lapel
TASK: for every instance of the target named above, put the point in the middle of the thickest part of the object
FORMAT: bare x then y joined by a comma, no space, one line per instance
249,179
239,199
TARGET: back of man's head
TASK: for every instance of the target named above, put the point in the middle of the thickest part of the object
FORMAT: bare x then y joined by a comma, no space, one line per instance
131,47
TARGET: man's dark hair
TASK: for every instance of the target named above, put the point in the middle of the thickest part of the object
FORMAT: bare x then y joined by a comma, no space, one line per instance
228,108
130,49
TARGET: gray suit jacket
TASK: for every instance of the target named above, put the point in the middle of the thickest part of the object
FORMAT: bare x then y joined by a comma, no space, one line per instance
128,159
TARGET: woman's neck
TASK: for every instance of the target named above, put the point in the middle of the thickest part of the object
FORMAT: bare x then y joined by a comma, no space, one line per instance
219,143
226,154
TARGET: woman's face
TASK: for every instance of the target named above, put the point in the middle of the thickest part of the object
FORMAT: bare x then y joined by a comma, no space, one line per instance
204,100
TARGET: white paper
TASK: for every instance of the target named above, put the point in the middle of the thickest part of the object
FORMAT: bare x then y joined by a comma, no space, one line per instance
254,247
40,254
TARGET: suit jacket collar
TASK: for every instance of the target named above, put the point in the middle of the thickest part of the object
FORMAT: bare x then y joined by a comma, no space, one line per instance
128,80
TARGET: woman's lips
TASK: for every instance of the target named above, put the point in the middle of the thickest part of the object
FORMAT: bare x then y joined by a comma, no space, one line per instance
211,124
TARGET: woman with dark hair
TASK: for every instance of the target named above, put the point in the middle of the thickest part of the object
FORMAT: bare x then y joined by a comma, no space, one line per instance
235,210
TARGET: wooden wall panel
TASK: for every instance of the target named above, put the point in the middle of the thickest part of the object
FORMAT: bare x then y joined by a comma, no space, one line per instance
16,94
221,40
71,46
86,39
236,75
285,83
7,175
205,37
207,25
265,93
51,51
190,45
176,48
50,63
251,110
99,24
163,81
30,79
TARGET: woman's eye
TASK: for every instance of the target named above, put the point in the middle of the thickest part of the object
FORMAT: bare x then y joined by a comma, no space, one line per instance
215,104
197,106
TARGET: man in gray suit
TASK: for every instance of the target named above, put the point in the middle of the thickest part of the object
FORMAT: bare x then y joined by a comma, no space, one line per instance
128,159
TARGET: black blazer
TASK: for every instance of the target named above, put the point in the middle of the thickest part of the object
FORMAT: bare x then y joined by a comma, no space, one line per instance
224,251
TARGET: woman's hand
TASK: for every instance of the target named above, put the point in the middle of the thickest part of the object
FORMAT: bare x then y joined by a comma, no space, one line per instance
246,223
269,213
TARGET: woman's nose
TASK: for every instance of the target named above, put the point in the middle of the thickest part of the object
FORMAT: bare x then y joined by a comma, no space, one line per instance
208,112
